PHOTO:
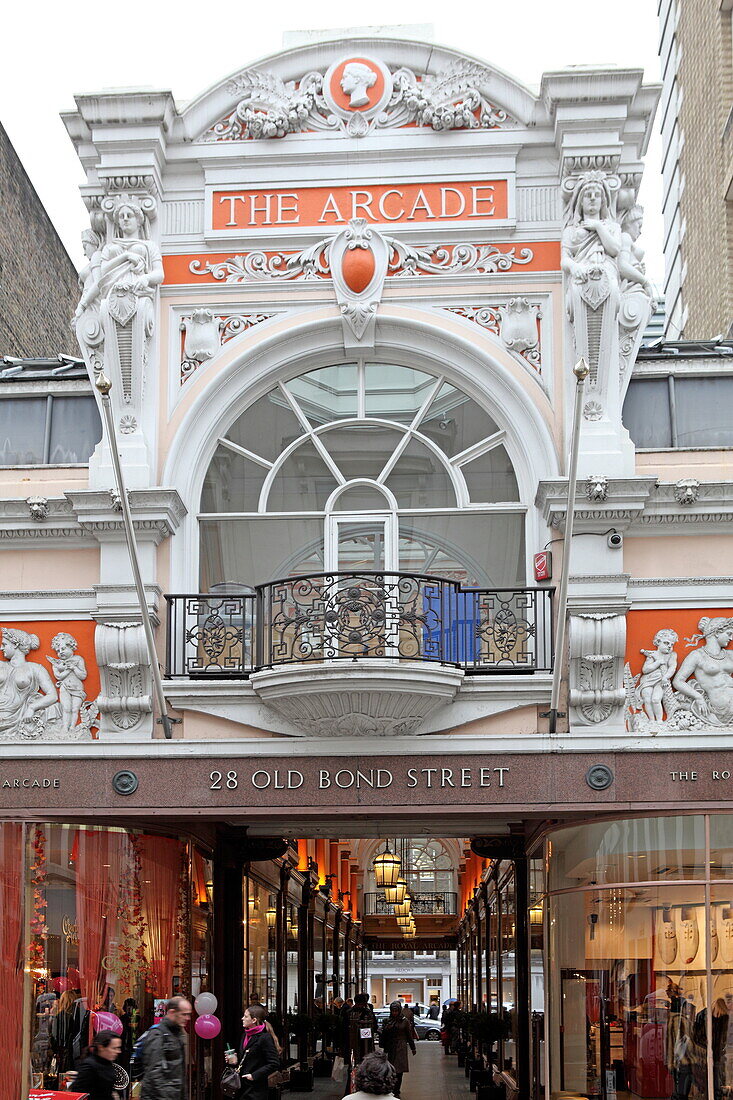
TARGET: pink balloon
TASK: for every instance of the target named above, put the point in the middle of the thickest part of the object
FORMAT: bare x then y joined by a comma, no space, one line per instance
107,1021
207,1027
60,985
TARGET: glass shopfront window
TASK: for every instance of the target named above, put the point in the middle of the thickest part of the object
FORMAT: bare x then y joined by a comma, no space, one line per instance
640,958
94,921
261,983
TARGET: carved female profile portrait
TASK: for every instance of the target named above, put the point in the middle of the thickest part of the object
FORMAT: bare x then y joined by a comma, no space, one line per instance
356,81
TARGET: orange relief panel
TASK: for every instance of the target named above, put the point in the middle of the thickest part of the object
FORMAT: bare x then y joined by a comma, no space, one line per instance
70,666
681,666
215,267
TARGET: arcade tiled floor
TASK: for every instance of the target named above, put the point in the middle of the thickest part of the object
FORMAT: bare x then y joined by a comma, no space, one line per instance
432,1076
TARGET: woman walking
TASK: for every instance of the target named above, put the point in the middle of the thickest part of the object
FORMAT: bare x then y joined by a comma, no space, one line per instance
397,1036
96,1073
258,1056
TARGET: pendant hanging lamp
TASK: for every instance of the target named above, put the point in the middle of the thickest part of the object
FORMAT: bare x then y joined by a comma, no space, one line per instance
400,888
386,867
403,908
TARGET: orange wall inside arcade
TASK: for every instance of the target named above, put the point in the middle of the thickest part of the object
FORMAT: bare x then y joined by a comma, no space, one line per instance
641,626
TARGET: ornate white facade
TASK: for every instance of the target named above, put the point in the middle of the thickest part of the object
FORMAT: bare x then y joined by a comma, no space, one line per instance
420,222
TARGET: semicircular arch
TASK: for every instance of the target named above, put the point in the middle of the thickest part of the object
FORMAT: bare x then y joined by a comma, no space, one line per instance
408,336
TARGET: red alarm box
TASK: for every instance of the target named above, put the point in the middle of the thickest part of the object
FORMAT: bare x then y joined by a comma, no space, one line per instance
543,565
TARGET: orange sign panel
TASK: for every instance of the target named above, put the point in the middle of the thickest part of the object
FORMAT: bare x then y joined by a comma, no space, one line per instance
479,200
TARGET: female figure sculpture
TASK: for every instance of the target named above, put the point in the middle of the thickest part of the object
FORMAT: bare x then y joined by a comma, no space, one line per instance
591,244
130,271
706,675
86,323
26,688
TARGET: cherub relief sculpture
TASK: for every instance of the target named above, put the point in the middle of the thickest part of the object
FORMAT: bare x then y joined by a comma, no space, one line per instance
70,670
698,696
32,706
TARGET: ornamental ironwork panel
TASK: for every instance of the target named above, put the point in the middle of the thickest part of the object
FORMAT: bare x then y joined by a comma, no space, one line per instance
356,615
353,616
211,635
434,903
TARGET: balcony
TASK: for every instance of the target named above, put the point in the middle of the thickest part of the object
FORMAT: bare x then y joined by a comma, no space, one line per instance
369,653
424,904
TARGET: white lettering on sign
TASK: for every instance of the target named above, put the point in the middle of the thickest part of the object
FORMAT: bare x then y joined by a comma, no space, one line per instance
359,779
336,205
43,784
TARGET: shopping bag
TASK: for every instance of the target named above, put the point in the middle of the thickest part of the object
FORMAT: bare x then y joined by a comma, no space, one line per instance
337,1073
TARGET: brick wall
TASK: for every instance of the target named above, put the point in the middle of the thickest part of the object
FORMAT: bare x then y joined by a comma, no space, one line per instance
38,283
706,80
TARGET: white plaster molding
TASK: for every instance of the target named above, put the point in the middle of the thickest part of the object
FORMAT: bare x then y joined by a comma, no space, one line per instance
596,645
624,502
374,698
157,513
477,697
452,99
125,697
632,504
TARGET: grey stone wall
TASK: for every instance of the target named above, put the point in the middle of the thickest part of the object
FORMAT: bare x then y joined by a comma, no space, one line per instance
38,283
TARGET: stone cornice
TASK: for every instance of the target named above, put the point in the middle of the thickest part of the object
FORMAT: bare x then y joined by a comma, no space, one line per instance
625,501
157,513
87,515
635,504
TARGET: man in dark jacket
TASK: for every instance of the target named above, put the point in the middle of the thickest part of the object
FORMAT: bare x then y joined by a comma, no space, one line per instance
164,1054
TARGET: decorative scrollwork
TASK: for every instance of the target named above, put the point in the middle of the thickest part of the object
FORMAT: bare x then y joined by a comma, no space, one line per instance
404,260
354,616
268,107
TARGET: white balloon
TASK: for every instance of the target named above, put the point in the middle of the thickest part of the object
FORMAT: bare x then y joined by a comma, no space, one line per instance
205,1004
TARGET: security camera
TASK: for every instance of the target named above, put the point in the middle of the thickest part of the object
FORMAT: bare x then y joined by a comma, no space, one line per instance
615,540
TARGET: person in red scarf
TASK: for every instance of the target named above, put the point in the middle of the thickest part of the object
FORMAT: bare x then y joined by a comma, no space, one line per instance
258,1057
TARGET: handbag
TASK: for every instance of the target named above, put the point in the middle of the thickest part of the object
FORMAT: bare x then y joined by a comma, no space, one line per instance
231,1082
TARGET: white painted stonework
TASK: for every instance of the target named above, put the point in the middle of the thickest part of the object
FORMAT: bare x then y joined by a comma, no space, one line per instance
368,207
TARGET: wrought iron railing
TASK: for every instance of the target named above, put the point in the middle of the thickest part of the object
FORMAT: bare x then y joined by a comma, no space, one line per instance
432,904
339,616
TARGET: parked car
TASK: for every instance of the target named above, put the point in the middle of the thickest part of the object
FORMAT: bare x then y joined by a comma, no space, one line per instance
424,1029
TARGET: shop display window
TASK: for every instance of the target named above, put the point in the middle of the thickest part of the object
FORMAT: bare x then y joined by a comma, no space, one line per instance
640,958
260,953
94,921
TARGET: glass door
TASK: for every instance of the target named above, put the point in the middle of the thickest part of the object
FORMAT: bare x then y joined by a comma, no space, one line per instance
363,598
356,543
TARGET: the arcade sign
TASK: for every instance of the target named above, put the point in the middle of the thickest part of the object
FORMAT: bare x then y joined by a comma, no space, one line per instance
458,201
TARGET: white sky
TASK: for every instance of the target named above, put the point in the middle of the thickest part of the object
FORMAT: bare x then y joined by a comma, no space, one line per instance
51,50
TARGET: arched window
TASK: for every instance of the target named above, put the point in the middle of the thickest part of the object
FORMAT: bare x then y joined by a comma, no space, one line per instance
362,466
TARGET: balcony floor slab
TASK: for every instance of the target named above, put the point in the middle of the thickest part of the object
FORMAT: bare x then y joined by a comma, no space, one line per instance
373,698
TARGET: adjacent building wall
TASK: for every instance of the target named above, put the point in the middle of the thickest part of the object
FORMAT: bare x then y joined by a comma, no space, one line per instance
695,49
38,281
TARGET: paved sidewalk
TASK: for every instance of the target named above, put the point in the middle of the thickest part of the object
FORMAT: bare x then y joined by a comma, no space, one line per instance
432,1076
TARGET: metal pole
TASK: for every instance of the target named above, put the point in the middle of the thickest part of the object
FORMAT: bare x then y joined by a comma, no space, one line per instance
581,371
104,386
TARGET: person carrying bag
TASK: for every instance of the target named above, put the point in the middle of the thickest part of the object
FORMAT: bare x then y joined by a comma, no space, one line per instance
257,1061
